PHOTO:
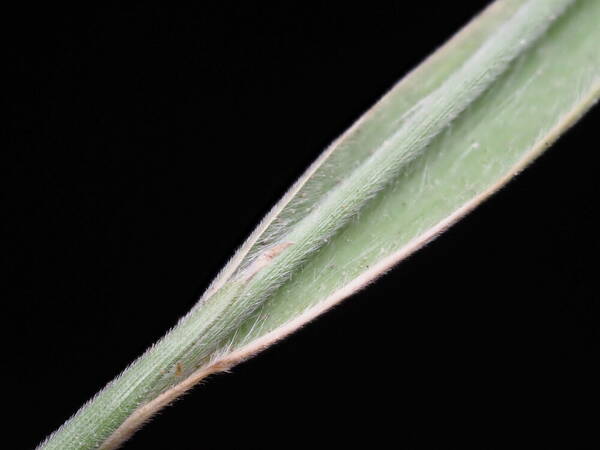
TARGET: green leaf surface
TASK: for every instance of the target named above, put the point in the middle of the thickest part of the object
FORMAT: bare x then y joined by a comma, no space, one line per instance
442,140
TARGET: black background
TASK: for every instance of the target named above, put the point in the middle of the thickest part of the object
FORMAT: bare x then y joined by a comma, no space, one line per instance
146,142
